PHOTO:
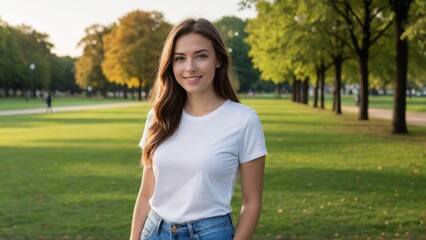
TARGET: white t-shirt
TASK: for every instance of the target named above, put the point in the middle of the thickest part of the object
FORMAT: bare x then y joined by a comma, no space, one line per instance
196,169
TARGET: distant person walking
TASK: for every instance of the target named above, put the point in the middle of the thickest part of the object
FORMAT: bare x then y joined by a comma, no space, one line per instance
48,100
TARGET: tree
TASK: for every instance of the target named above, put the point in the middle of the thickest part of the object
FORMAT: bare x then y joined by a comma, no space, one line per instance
21,46
37,52
63,75
88,70
366,21
277,49
324,34
5,63
132,47
400,9
266,45
416,34
415,31
232,29
416,67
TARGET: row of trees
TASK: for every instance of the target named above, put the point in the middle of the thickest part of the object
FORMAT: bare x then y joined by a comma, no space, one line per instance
27,64
122,56
301,40
125,55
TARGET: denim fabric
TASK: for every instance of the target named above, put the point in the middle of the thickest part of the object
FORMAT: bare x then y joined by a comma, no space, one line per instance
214,228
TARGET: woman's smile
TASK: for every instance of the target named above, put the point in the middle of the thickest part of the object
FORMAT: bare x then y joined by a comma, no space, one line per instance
192,79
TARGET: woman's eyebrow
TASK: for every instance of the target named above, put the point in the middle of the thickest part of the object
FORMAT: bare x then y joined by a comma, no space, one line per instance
196,52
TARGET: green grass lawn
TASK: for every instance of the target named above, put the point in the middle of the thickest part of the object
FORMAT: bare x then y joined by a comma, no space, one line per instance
414,104
75,175
20,103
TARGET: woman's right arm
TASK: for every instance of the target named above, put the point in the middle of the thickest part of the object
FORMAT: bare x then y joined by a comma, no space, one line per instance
142,207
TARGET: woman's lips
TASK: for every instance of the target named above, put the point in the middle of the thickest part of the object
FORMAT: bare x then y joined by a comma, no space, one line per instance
192,79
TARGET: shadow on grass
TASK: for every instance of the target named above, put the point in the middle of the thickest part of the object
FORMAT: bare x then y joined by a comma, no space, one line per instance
312,203
73,192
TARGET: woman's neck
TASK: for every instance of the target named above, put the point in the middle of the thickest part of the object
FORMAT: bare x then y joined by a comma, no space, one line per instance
202,105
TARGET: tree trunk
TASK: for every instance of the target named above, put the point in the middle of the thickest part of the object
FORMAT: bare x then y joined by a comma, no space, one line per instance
278,90
399,125
146,89
297,91
333,108
316,89
140,90
294,89
322,82
363,101
338,62
132,92
125,92
6,90
363,54
33,86
114,90
104,91
305,90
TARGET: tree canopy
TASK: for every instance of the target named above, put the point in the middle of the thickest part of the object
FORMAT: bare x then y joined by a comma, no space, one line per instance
132,49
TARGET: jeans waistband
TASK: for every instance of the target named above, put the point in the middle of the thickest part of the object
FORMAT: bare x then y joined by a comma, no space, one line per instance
192,226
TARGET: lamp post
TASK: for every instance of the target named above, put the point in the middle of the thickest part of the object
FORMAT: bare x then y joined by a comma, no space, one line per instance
32,68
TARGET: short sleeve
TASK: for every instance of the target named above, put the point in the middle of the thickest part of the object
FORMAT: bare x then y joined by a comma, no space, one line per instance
149,120
252,143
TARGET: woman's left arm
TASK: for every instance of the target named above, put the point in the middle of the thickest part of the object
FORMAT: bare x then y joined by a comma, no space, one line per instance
252,174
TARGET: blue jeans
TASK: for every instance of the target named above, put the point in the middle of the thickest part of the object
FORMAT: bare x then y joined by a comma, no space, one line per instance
214,228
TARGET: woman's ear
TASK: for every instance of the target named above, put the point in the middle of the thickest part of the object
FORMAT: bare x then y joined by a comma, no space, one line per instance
218,64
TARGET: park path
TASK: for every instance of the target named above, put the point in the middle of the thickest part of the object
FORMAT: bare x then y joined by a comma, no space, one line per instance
67,108
418,119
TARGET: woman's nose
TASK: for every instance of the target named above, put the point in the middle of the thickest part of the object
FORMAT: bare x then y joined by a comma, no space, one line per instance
191,66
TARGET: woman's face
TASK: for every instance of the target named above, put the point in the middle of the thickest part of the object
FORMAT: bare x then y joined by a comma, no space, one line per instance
194,63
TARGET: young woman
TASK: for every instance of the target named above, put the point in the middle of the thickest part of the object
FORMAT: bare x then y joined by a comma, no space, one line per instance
197,139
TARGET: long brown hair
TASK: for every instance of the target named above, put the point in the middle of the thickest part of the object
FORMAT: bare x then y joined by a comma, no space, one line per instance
169,97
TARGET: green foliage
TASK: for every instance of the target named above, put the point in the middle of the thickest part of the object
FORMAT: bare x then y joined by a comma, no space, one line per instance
19,47
132,48
63,74
382,62
88,71
232,29
267,41
12,67
35,49
416,31
291,38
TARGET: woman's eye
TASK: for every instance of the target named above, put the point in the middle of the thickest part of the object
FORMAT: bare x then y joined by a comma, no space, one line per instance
179,59
202,56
